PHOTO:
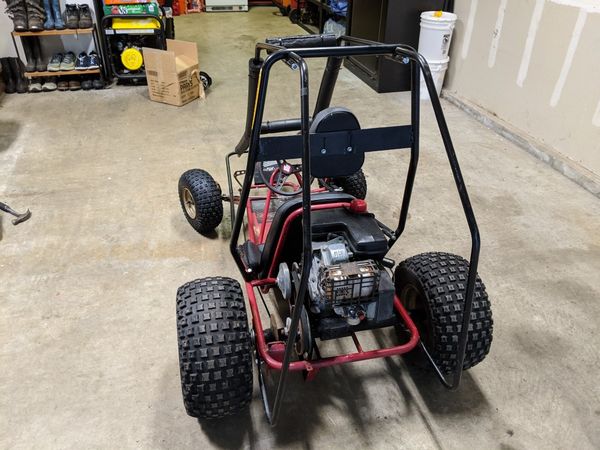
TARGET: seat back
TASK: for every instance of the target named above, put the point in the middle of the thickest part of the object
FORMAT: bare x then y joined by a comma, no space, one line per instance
332,153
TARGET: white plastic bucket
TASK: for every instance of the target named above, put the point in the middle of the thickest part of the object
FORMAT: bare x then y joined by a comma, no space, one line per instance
438,72
436,34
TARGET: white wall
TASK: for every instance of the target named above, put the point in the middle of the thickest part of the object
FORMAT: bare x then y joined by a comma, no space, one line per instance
536,65
6,26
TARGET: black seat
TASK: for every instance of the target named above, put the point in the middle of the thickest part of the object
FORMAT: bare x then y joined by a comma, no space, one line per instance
283,213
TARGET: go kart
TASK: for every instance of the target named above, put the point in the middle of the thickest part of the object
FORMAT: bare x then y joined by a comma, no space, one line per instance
313,253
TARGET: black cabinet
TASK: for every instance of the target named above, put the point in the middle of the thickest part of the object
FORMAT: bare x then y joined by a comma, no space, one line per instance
388,21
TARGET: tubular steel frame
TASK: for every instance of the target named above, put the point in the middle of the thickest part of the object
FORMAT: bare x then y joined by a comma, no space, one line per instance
295,58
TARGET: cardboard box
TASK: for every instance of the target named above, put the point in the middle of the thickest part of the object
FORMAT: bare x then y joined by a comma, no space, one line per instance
134,8
173,75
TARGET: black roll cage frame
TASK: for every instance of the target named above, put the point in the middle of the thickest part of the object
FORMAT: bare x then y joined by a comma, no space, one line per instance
294,54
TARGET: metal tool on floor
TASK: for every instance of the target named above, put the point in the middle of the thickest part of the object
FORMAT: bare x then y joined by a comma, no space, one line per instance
19,217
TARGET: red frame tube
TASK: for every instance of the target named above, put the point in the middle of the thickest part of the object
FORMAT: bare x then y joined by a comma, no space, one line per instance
264,224
286,227
309,366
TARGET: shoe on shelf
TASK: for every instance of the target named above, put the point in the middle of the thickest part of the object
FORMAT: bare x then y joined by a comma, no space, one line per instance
85,16
72,16
49,23
98,83
82,62
28,49
63,85
35,85
94,60
68,62
54,63
49,84
18,13
9,77
35,15
86,84
74,85
58,21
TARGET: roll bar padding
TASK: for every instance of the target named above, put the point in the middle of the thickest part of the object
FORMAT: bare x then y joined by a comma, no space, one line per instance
254,66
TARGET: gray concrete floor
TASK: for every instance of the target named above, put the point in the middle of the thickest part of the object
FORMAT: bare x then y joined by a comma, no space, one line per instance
87,287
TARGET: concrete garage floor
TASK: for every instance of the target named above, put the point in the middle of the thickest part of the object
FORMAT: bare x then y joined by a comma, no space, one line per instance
87,293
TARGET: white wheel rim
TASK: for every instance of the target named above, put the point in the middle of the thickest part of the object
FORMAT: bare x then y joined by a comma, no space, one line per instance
188,203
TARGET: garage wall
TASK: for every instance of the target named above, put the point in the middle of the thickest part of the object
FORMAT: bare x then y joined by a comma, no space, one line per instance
536,65
6,46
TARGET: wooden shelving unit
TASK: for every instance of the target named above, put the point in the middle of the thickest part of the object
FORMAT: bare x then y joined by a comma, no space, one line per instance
62,73
74,31
68,32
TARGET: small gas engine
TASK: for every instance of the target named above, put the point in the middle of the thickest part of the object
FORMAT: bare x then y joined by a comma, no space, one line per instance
346,288
346,294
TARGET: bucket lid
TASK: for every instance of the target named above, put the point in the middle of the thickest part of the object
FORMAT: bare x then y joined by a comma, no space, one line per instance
435,16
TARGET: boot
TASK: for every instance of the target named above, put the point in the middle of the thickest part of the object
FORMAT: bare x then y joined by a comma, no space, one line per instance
40,65
72,15
28,48
18,13
17,70
58,21
10,83
35,15
85,16
49,23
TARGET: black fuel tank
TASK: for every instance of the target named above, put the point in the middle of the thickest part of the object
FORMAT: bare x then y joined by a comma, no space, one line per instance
365,238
